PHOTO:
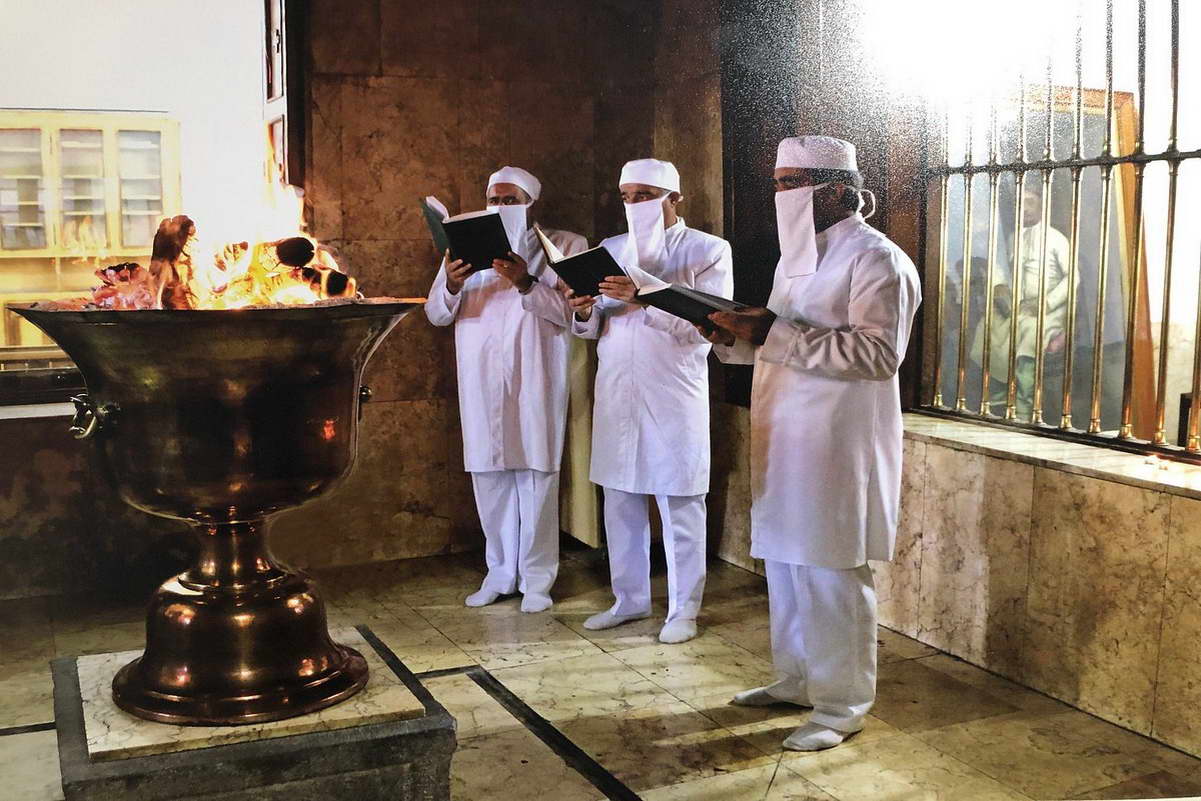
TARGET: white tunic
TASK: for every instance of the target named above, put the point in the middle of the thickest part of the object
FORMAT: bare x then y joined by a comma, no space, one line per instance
511,351
650,427
825,403
1055,320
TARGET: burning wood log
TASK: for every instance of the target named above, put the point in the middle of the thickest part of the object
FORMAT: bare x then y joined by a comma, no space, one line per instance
171,262
125,286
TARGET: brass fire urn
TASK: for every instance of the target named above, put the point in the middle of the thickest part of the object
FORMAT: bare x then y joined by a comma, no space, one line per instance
222,419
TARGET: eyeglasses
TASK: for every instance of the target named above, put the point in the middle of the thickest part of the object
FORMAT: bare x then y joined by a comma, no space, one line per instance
791,182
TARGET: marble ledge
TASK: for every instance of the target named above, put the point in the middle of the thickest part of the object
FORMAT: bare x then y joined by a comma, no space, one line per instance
1093,461
115,734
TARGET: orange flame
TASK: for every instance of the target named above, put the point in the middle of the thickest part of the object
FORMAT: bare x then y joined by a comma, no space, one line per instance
283,266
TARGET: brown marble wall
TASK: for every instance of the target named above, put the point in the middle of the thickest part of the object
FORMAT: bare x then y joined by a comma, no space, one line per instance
61,528
410,99
688,130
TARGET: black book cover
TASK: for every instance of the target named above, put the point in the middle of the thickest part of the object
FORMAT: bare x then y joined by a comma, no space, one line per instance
583,272
687,303
477,240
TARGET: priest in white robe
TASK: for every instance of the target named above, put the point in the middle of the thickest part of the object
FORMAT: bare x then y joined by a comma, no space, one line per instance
825,434
512,333
650,434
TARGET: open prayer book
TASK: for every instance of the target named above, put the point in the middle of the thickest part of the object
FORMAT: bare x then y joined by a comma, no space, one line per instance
584,271
476,237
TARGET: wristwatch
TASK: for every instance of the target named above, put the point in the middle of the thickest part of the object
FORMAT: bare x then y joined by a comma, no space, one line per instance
526,291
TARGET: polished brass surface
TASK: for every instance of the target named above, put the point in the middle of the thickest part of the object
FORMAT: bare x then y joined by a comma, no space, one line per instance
222,419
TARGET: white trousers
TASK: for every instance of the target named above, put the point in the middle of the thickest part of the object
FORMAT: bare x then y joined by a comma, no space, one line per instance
628,532
519,510
823,640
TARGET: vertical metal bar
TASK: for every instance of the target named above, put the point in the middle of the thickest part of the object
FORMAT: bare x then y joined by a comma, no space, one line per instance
1036,410
1126,431
942,262
966,284
1065,415
1194,413
1161,390
1018,265
1094,417
1161,383
993,199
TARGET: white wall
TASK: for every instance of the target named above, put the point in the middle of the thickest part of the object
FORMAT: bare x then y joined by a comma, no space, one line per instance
198,63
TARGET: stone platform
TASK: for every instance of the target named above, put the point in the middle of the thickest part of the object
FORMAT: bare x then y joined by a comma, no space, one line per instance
391,740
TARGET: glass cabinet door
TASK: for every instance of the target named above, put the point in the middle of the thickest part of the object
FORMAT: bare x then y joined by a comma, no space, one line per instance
22,191
81,160
141,172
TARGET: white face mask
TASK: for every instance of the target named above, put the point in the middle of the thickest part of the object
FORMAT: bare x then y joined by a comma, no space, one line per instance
647,244
516,220
794,225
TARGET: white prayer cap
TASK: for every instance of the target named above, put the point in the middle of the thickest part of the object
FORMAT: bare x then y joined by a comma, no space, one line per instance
651,172
816,153
518,177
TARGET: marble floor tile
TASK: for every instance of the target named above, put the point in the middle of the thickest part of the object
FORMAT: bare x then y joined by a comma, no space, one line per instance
483,767
753,635
893,646
25,633
913,697
765,783
497,640
662,745
598,684
476,713
995,686
900,768
422,650
100,639
635,634
29,767
25,699
700,668
73,614
767,727
1160,784
1043,756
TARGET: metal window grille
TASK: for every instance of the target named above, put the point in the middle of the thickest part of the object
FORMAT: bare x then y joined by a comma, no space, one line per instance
967,378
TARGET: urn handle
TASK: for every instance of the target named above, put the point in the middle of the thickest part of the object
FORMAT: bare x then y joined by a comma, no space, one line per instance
365,394
89,418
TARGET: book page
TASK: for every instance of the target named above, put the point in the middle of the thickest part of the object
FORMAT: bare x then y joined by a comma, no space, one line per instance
644,282
467,215
438,206
553,254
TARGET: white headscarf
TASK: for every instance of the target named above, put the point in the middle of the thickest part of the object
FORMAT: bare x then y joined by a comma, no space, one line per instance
519,177
646,246
794,207
651,172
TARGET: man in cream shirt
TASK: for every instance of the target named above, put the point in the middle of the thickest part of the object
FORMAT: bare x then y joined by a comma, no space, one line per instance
512,327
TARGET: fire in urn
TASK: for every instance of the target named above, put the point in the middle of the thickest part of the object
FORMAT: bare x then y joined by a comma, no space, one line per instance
224,387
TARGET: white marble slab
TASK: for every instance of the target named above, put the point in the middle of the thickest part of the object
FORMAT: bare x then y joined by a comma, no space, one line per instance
115,734
1094,461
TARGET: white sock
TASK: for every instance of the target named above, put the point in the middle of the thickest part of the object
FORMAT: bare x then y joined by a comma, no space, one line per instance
607,620
677,631
536,602
814,737
763,696
481,597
